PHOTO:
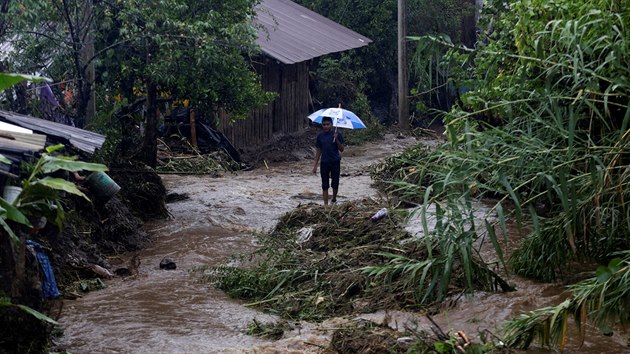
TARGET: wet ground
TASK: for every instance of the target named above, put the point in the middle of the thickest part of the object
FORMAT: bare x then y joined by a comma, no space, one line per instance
160,311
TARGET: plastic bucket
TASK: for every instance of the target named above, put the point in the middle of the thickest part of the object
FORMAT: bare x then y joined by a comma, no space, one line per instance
102,185
10,193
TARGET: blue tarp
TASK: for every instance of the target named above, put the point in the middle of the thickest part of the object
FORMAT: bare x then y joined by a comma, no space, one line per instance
49,284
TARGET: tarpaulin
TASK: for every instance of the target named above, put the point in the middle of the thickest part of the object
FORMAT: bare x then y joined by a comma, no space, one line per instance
49,284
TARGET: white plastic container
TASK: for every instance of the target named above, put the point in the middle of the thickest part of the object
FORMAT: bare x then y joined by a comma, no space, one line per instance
379,214
10,193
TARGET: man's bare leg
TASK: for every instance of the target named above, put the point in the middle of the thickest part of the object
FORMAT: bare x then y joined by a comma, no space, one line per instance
325,193
334,196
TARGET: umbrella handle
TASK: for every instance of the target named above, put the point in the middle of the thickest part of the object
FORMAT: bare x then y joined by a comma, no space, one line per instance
335,135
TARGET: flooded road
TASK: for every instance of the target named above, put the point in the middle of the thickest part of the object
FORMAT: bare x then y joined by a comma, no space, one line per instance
168,311
160,311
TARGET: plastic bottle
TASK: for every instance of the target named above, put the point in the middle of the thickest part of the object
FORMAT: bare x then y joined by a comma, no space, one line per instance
379,214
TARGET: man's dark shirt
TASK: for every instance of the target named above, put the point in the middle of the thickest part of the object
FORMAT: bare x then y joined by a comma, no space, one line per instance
330,152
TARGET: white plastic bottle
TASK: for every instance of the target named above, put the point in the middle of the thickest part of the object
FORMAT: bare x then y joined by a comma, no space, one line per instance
379,214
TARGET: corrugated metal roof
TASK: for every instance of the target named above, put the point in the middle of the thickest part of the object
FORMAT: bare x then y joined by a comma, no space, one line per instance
24,141
291,33
81,139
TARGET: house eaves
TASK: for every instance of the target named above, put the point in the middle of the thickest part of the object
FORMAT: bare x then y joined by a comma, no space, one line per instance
291,33
15,141
81,139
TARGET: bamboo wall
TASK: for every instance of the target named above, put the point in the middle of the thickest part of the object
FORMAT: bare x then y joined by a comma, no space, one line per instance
286,114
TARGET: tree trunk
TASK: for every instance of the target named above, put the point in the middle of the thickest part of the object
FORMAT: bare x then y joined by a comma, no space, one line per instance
21,105
19,263
149,149
88,59
403,102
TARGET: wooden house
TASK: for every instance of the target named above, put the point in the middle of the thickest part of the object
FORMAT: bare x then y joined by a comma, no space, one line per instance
289,36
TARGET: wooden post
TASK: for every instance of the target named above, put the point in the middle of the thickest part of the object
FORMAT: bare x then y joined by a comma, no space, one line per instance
88,59
193,129
403,105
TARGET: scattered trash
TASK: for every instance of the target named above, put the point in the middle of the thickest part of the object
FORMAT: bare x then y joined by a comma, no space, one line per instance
49,284
72,295
91,285
100,271
10,193
304,234
379,214
103,186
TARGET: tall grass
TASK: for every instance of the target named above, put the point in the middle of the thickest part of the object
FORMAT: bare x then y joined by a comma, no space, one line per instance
545,129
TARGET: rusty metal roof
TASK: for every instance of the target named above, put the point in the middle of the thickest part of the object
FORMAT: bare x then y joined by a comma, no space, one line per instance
291,33
84,140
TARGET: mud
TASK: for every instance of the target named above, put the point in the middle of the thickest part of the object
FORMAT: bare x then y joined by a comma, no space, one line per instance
158,311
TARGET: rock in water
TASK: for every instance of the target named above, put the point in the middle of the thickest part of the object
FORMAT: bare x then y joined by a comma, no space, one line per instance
168,264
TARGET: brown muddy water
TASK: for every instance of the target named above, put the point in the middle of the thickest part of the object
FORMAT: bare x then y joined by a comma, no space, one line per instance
160,311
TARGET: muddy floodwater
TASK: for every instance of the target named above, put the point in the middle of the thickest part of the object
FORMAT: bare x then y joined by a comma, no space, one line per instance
168,311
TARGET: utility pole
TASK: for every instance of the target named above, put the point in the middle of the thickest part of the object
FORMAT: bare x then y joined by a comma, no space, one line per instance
88,59
403,103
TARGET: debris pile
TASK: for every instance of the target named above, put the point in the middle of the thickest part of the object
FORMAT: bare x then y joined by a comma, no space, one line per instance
322,262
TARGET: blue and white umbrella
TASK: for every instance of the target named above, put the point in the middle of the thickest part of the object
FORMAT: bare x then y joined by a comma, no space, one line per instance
341,118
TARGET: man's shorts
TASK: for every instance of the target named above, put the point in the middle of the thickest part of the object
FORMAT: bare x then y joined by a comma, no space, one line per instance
330,170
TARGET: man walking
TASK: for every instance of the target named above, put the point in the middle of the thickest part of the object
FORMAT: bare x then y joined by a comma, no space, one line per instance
329,144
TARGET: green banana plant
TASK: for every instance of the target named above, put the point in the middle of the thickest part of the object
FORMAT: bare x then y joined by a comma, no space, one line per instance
40,195
10,79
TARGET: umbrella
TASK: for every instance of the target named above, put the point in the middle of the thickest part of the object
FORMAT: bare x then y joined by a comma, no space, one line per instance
341,118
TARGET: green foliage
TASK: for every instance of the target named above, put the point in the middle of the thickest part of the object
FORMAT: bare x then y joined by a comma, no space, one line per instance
455,345
193,50
196,50
544,126
9,212
374,130
373,67
346,260
337,83
408,173
7,79
39,195
6,302
340,83
256,283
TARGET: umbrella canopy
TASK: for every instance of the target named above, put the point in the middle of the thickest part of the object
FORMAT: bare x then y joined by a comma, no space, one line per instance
341,118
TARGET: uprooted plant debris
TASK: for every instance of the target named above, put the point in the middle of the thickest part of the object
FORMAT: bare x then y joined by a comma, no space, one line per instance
368,337
214,164
191,161
322,262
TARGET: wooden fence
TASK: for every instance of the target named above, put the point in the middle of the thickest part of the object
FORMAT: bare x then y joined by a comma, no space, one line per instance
285,115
